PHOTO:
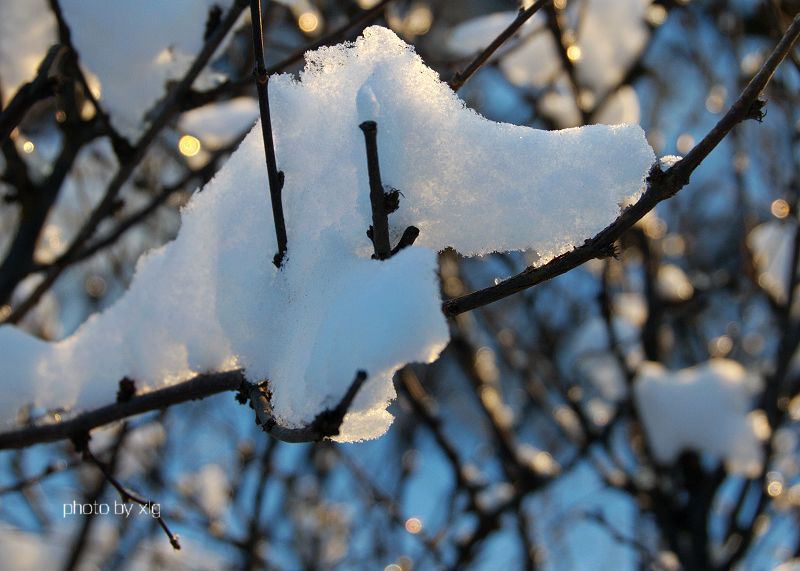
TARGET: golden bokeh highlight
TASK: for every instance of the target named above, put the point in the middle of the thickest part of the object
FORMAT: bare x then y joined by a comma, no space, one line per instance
28,147
574,53
308,22
419,20
413,525
189,146
656,15
780,208
775,488
685,143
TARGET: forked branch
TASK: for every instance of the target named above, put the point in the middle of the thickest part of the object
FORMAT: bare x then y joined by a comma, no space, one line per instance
325,424
382,202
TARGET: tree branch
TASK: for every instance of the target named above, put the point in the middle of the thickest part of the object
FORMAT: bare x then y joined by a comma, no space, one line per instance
276,177
661,185
461,77
231,87
82,446
380,217
42,87
199,387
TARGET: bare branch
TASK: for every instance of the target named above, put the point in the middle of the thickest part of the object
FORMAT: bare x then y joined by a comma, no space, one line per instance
661,186
82,446
106,206
231,87
43,86
199,387
276,177
380,217
461,77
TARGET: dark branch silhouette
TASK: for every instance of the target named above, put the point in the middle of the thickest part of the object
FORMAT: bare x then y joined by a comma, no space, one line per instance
461,77
276,177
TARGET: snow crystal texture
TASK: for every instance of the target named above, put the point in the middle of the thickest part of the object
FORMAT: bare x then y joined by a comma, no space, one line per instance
212,299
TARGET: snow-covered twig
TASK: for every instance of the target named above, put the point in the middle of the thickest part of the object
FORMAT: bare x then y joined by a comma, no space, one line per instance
661,186
274,175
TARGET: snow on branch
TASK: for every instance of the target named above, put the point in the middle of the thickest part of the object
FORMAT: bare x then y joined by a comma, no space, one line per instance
213,301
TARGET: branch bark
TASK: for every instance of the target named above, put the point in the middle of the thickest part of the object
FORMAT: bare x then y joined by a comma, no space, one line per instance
380,218
199,387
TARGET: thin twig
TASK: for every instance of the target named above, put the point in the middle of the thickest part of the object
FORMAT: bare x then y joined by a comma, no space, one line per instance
203,174
230,87
82,445
49,470
645,553
41,87
661,186
199,387
554,27
461,77
276,177
382,202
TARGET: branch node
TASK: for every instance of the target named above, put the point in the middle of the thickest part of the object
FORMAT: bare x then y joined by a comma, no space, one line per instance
408,238
391,198
757,110
127,390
